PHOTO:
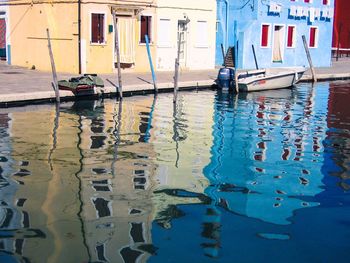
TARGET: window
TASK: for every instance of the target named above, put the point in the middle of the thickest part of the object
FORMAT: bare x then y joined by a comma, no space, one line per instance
97,28
265,31
146,23
164,33
202,34
102,207
313,37
291,36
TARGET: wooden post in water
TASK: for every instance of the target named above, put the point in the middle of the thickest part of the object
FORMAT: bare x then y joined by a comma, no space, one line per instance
151,65
256,61
116,46
223,55
177,65
314,78
338,44
53,68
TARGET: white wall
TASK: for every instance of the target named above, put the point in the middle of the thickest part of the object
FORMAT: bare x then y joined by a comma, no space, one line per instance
199,55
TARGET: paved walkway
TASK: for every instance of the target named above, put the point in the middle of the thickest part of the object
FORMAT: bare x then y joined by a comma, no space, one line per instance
23,86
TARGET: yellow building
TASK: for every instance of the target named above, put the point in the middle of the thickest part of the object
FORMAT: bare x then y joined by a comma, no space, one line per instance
83,34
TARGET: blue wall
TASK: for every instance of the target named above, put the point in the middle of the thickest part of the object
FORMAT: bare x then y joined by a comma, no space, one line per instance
244,28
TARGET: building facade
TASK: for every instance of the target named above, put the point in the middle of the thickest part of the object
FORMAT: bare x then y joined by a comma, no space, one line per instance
83,34
341,30
194,23
275,29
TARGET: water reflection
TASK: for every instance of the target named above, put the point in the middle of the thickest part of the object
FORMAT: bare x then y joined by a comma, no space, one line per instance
266,153
337,143
147,180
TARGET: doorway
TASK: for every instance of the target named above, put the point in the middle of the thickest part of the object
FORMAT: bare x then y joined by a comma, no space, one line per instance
278,43
2,39
182,35
126,37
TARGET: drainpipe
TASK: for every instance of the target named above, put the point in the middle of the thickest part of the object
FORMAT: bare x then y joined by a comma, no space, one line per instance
79,35
227,16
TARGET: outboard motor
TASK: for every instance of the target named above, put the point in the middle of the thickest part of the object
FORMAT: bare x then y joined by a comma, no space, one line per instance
226,78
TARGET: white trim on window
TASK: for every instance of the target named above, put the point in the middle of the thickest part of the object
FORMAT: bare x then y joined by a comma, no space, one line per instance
152,35
104,28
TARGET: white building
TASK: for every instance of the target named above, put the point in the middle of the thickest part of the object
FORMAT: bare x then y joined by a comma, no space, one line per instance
194,22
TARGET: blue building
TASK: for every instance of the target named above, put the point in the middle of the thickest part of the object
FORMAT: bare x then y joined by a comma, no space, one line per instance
275,28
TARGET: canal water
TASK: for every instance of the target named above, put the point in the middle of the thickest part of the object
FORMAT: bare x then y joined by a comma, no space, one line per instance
258,177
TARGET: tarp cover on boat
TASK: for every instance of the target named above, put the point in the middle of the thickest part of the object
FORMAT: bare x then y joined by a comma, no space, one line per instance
85,82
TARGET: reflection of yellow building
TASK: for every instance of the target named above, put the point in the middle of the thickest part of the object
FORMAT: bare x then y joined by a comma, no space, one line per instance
88,194
183,144
83,34
44,206
77,193
117,182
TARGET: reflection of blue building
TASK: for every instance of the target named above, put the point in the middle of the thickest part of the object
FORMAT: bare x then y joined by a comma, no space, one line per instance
275,29
11,218
266,156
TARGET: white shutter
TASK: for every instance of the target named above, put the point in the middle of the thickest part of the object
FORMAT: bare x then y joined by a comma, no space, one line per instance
202,34
164,33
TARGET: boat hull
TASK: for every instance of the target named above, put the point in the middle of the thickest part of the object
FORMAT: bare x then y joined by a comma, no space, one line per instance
272,80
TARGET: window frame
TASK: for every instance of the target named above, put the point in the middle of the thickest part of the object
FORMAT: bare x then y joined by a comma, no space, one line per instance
150,35
104,29
268,35
316,40
294,40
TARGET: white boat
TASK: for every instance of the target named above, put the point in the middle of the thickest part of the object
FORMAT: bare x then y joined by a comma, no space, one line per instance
270,78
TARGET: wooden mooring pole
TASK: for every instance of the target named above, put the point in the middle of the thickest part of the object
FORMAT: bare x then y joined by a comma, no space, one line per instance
117,51
256,61
314,78
177,65
53,68
151,65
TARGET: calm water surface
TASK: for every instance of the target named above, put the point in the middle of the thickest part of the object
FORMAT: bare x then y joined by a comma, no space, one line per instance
259,177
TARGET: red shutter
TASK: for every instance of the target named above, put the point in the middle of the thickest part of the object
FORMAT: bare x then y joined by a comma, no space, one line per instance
2,33
94,28
312,37
265,35
325,2
97,28
143,29
290,36
307,1
101,28
149,23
